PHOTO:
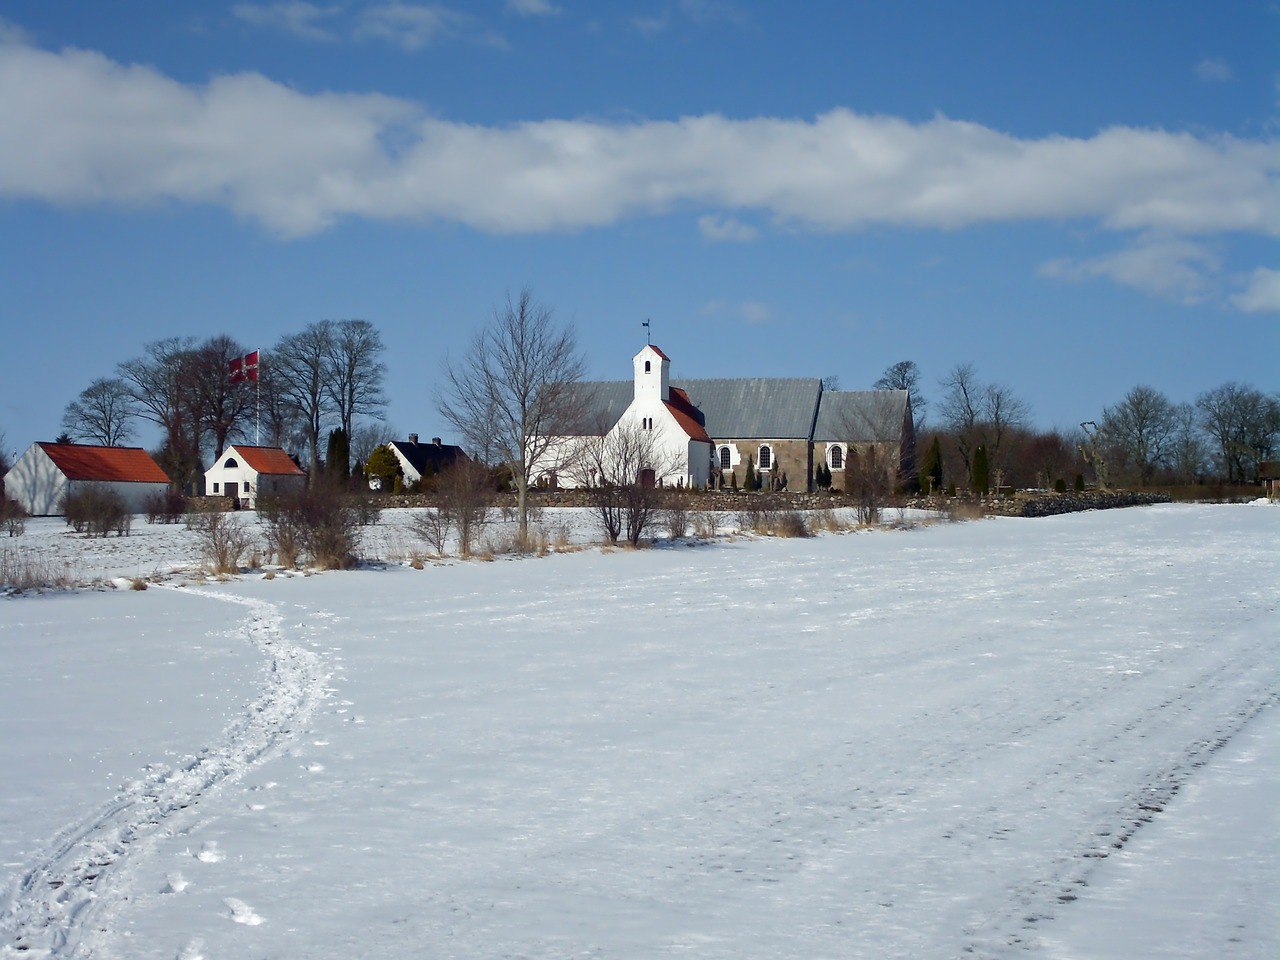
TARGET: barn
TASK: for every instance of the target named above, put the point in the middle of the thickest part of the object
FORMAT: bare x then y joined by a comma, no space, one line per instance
47,473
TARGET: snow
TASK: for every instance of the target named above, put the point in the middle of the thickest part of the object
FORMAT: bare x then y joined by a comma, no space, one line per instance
1009,738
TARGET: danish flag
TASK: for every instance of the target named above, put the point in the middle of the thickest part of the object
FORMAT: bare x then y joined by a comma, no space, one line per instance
244,368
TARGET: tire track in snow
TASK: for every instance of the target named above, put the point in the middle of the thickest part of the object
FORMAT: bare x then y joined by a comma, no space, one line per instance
49,910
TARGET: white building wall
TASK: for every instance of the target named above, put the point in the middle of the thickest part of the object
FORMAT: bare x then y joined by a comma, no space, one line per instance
36,483
133,495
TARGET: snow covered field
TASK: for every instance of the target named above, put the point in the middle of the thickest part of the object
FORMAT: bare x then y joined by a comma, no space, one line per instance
1007,738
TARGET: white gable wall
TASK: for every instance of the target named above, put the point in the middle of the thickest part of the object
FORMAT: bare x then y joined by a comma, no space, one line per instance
37,484
245,483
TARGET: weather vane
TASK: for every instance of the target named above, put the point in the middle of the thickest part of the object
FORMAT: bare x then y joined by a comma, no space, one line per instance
648,339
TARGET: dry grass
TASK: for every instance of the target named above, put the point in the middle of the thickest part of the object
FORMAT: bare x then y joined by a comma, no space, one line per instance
25,569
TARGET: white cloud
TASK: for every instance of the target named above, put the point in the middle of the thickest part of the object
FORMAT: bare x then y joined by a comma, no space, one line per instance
534,8
1213,70
1171,268
301,19
726,228
752,312
76,127
12,33
409,25
1261,293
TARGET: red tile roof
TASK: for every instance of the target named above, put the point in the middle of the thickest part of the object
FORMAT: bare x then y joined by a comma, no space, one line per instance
686,415
658,352
268,460
119,464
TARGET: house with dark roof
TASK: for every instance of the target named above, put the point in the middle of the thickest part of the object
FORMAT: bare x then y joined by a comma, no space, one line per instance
47,473
785,427
243,473
418,460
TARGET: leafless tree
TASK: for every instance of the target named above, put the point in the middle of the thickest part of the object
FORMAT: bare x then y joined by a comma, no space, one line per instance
512,395
1188,454
621,469
1138,433
161,383
465,495
368,437
221,407
905,375
1244,424
355,372
978,414
103,413
300,373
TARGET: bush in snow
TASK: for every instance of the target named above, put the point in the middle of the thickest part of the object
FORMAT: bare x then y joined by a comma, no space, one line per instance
223,540
323,524
96,510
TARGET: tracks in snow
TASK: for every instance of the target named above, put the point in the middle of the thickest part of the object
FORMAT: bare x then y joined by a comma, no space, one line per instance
49,911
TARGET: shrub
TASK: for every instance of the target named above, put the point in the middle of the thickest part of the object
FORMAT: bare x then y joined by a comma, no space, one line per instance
223,541
321,523
433,527
96,511
675,514
13,517
167,507
707,522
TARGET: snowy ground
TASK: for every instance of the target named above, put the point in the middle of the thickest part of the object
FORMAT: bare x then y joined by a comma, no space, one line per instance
1007,738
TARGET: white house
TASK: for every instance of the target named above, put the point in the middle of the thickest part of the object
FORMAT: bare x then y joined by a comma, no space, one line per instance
43,476
245,472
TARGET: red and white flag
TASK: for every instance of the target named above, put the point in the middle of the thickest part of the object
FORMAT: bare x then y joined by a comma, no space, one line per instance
244,368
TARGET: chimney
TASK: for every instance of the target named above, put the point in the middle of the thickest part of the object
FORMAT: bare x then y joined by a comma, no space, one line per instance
436,441
413,438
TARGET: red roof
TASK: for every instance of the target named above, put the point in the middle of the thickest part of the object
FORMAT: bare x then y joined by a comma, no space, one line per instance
658,352
686,415
268,460
119,464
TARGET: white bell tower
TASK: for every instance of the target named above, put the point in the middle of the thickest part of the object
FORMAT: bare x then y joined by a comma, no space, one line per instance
653,374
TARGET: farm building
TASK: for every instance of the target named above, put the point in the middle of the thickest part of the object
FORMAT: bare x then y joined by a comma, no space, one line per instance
244,472
47,473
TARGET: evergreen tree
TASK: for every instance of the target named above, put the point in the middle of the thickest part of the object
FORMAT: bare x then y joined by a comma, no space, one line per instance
749,483
981,471
337,463
933,466
384,465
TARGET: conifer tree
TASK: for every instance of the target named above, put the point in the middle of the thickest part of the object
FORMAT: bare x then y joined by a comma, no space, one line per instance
749,482
981,471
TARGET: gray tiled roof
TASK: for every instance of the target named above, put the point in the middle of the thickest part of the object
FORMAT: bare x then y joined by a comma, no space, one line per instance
768,408
861,416
605,401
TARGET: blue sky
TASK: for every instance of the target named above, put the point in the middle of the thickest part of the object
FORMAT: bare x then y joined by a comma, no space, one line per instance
1075,197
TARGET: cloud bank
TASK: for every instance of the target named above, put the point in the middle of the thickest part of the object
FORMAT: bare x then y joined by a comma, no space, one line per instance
79,128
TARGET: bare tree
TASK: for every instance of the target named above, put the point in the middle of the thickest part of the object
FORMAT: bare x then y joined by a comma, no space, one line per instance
221,407
300,373
102,414
1138,433
161,383
1188,454
512,394
355,372
905,375
621,468
978,414
1244,424
465,494
368,437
